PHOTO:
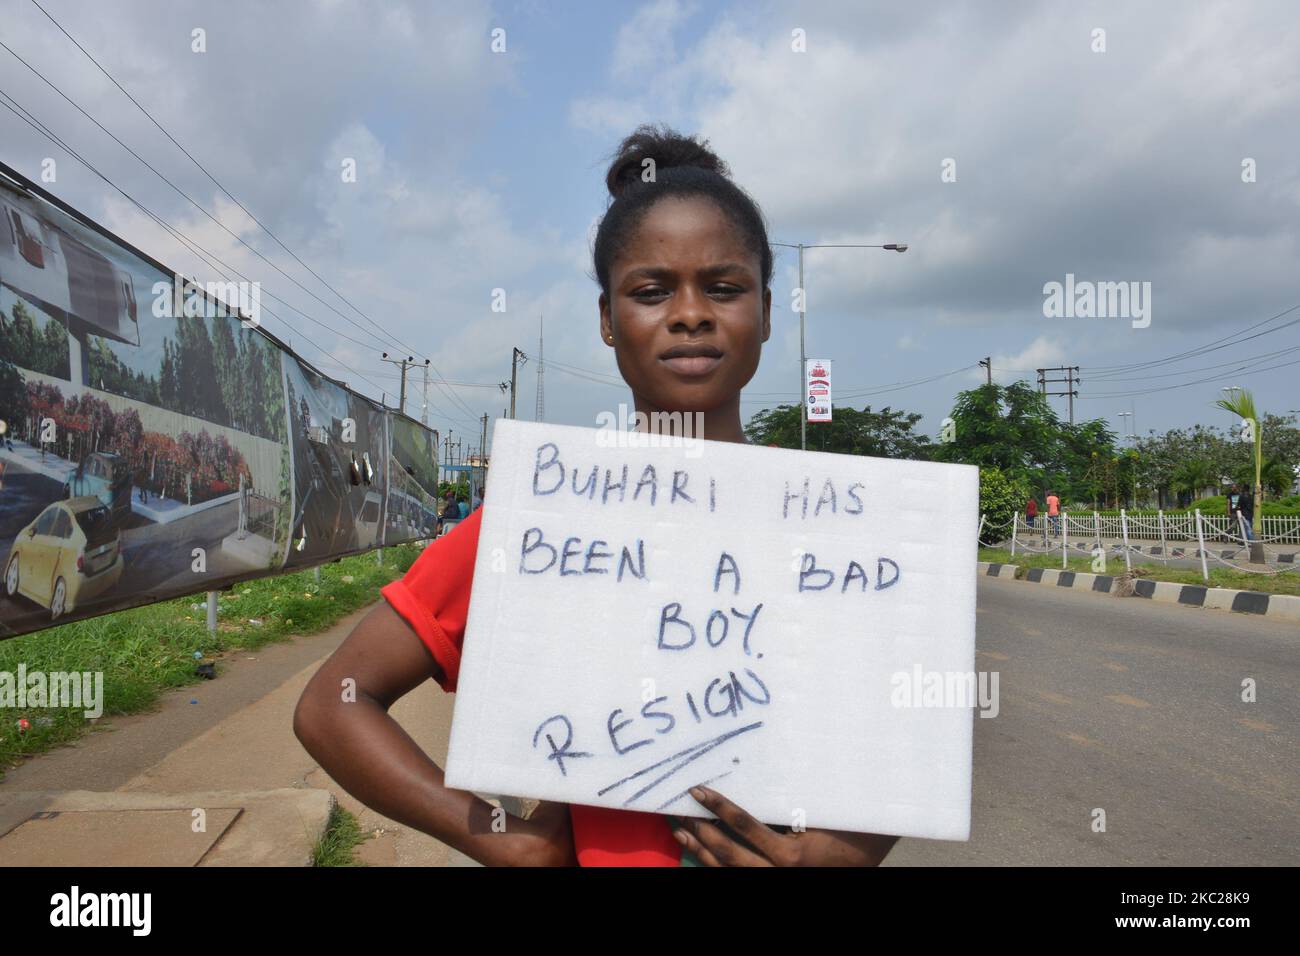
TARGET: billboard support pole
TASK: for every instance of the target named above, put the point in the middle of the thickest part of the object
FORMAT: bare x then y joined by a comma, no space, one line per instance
212,612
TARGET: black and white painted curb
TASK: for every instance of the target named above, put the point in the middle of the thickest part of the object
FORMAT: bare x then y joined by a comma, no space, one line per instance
1283,606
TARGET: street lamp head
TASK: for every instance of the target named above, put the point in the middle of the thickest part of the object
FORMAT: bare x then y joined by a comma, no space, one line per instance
385,355
896,246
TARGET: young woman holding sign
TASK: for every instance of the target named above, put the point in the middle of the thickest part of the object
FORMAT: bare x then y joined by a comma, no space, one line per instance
684,268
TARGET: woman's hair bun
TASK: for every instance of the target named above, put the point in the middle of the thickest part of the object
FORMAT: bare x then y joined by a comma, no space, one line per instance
667,148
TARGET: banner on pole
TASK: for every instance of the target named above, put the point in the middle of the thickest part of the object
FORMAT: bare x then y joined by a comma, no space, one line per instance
817,388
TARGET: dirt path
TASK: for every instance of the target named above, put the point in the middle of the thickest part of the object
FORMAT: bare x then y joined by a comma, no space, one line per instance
239,736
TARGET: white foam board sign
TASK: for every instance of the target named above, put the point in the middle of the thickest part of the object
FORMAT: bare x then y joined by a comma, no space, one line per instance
764,621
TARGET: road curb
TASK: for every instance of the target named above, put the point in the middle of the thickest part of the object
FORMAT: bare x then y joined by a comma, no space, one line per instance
1281,606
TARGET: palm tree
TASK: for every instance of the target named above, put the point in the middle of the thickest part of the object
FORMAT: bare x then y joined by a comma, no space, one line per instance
1242,404
1192,476
1276,477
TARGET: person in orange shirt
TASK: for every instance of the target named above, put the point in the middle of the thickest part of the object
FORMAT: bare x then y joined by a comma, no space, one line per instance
1054,511
684,268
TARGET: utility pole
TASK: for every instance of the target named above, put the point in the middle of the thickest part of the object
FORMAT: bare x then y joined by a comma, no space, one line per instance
539,408
987,363
1071,379
803,358
424,409
516,359
482,459
404,364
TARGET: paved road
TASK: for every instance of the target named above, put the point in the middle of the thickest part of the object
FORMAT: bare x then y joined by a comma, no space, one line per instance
1113,703
1134,708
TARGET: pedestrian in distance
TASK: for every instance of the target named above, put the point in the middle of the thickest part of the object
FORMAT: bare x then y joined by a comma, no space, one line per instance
1246,508
450,509
1053,511
1233,503
687,338
1031,512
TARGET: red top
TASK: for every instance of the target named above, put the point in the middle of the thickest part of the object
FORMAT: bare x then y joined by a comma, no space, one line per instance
433,598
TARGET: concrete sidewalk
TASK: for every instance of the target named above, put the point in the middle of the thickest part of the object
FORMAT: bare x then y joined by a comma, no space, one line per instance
236,747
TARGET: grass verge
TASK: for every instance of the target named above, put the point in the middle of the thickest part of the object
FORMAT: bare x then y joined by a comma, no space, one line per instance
146,651
338,843
1220,577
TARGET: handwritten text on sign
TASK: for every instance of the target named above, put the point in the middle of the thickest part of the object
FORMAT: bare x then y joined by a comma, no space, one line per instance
646,619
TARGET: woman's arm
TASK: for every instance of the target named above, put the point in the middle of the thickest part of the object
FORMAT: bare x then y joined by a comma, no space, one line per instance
369,754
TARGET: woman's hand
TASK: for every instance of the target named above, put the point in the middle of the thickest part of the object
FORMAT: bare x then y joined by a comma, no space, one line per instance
768,847
545,838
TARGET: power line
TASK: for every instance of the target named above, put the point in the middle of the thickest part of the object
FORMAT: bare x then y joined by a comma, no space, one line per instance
198,250
1098,371
1200,381
395,376
203,169
539,403
1263,356
455,399
31,120
180,192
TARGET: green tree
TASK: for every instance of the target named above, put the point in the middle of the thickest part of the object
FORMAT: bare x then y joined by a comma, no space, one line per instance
1001,498
1012,428
34,342
200,395
169,391
1194,476
1275,477
14,405
887,433
228,372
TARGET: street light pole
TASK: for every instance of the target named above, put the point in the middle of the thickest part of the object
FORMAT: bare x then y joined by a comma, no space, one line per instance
803,310
803,357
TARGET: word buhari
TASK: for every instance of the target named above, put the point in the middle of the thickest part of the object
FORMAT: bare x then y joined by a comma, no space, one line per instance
1098,300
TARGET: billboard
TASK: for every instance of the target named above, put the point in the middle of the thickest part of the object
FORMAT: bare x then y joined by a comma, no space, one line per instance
156,443
817,389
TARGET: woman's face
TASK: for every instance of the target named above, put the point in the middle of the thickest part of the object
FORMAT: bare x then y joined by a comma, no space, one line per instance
687,314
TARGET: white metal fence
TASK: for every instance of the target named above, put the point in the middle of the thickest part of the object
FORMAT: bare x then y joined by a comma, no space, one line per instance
1176,526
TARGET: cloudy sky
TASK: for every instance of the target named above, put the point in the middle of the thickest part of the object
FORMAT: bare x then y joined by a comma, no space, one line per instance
1009,145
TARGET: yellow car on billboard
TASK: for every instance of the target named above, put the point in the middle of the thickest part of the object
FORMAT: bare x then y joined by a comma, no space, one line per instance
71,553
